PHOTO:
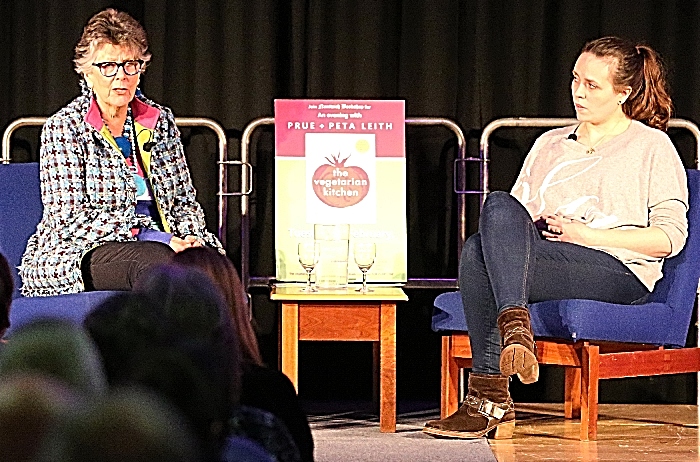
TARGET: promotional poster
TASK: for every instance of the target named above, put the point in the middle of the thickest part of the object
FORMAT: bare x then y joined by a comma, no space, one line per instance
340,181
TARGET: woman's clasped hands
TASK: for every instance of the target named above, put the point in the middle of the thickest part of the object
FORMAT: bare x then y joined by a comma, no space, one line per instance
178,244
562,229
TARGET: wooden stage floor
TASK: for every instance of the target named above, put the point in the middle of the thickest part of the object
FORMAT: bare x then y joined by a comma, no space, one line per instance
629,432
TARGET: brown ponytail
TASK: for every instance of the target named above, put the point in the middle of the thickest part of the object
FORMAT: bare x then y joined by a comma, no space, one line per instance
640,68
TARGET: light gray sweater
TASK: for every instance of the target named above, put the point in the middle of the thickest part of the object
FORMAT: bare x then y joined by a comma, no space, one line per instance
633,180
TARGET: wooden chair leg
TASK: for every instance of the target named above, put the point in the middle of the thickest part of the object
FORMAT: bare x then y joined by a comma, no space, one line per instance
290,343
590,361
572,392
449,387
387,368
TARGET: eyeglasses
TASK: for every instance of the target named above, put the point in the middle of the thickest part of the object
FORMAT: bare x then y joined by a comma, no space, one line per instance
110,68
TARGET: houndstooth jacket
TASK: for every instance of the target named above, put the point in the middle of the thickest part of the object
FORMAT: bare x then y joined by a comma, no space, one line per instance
89,195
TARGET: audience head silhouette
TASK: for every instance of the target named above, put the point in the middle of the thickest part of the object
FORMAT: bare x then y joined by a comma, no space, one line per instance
129,425
221,271
31,404
57,349
173,335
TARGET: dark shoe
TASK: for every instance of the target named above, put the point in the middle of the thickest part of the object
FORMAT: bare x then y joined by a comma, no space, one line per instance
487,411
518,355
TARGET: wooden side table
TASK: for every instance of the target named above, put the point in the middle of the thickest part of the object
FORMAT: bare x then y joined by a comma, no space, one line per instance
343,315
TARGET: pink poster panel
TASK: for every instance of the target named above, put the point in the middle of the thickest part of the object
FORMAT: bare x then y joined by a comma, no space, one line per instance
295,118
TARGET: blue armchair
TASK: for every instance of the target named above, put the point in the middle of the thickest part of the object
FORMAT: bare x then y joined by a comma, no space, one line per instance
595,340
20,211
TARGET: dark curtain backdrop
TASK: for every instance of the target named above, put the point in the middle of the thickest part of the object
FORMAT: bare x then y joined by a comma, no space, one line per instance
471,61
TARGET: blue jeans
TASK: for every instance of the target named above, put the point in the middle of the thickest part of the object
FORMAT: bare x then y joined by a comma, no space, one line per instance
507,263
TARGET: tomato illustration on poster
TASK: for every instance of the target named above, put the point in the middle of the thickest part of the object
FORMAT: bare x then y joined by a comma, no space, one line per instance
340,186
342,163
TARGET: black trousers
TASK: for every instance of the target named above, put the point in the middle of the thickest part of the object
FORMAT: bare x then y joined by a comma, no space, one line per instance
118,265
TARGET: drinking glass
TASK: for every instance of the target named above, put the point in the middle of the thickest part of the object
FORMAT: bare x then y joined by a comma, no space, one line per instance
365,253
308,257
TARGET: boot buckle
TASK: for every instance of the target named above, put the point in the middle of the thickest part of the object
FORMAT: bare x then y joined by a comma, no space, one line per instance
489,409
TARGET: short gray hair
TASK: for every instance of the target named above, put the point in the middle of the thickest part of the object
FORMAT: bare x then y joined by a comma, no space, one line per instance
110,26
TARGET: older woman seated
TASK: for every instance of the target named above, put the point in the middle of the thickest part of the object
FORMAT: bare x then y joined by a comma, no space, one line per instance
116,189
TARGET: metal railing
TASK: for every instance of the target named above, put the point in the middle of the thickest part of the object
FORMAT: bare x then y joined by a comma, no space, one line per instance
14,126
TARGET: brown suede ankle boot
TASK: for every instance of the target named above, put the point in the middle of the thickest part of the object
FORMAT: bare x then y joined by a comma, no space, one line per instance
487,411
518,354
